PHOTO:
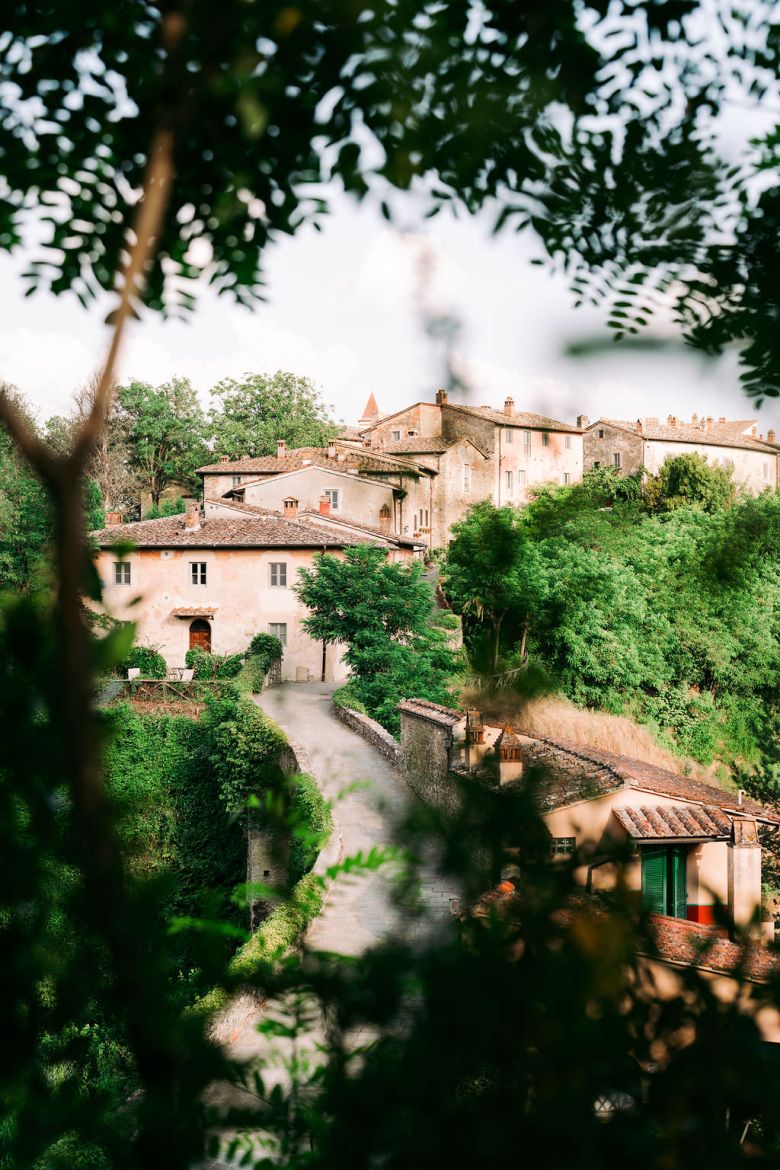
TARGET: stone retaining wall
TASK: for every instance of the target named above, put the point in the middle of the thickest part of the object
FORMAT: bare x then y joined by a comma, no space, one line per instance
373,732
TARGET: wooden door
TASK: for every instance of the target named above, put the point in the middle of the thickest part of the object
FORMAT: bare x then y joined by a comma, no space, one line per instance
200,635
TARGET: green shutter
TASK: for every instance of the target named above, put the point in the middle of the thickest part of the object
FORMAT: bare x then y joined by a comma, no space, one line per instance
654,878
679,900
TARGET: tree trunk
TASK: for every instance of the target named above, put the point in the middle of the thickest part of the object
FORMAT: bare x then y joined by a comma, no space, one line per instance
524,642
497,641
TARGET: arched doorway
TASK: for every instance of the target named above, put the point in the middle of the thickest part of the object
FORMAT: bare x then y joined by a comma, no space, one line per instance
200,635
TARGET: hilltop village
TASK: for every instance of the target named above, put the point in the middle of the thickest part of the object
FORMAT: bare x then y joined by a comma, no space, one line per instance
216,575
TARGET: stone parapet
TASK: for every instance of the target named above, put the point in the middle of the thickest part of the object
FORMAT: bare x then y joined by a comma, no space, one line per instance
371,731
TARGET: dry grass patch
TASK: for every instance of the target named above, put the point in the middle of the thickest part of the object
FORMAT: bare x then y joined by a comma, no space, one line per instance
557,718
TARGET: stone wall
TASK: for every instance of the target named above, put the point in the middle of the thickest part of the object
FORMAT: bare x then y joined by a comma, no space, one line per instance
373,732
615,441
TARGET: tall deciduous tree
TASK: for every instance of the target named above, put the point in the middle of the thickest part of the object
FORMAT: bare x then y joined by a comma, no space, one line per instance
493,569
26,518
384,614
165,426
252,412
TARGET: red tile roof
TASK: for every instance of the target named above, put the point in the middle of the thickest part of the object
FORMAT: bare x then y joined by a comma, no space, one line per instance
686,943
719,435
265,531
519,418
663,822
435,712
361,460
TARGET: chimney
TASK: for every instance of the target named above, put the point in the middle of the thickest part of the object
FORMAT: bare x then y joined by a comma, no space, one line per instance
192,516
583,422
708,422
509,406
331,449
671,420
281,448
290,506
224,458
324,505
721,420
754,431
113,518
441,397
744,870
385,518
770,436
639,425
694,420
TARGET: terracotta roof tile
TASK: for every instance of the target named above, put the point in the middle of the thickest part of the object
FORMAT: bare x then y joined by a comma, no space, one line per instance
365,461
652,823
268,531
691,944
719,436
447,716
529,421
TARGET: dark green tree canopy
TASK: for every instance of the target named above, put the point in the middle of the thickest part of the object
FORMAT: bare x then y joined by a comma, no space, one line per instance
166,430
256,410
594,123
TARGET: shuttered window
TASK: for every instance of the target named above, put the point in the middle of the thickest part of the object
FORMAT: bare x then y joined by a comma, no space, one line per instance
654,879
664,880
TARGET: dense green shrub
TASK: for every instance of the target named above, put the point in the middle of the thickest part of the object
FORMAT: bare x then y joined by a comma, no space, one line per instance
311,822
148,660
266,647
165,508
244,747
348,698
213,666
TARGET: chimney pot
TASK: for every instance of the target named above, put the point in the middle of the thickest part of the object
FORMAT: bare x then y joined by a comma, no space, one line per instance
113,518
770,436
441,397
191,516
290,506
754,431
331,449
324,505
694,420
583,421
281,448
721,420
509,406
709,421
639,425
385,518
224,458
671,421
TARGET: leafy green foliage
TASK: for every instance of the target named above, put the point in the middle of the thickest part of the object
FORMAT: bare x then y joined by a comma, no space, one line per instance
165,428
266,647
384,614
251,414
26,521
690,481
652,615
208,666
165,508
245,748
146,659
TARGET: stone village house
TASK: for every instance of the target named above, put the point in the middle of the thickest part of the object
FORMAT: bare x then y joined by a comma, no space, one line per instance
647,443
689,845
218,580
414,473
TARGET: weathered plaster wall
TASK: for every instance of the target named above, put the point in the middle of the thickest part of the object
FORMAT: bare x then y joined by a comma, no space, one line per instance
359,498
238,585
601,452
752,470
532,462
424,418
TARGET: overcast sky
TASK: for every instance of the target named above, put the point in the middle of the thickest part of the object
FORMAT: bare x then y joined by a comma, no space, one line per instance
342,309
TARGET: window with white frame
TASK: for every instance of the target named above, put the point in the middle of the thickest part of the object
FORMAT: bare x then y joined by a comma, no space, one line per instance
277,574
467,477
765,473
279,630
509,483
521,477
545,439
121,572
333,496
508,435
198,572
568,442
616,460
527,442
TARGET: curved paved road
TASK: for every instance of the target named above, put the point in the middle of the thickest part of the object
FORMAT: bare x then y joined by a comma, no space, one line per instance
367,795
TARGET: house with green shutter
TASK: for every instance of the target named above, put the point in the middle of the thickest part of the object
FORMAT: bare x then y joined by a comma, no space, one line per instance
685,846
